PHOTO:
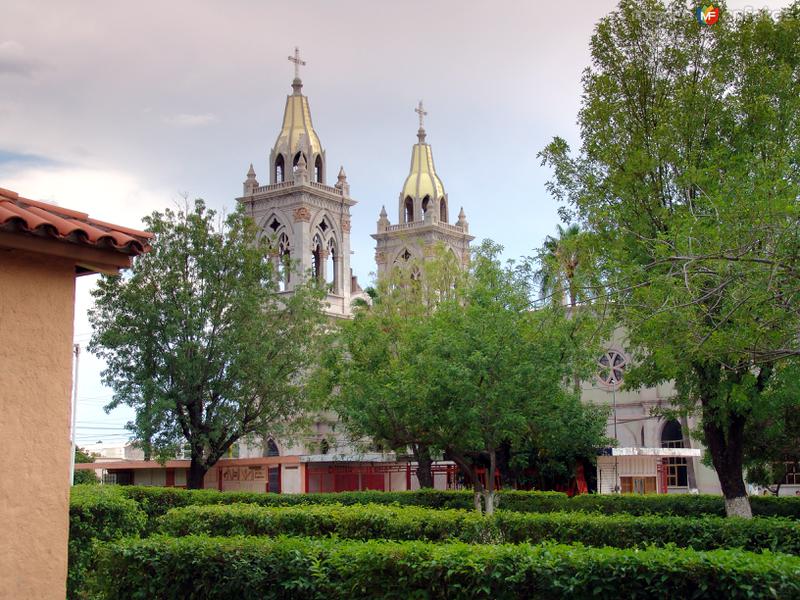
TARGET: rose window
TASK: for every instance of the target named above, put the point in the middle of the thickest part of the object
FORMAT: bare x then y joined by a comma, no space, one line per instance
612,368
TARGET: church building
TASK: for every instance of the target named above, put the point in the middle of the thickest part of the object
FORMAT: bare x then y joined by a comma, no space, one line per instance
308,221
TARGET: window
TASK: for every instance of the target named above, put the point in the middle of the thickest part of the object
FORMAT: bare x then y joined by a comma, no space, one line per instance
792,476
332,279
612,368
316,259
284,263
443,211
297,160
409,209
425,202
270,448
275,225
279,169
318,169
677,466
637,485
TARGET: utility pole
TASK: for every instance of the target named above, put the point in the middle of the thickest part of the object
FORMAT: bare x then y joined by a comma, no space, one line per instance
76,350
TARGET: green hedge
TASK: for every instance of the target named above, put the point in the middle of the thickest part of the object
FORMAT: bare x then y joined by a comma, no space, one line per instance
97,513
157,501
241,567
414,523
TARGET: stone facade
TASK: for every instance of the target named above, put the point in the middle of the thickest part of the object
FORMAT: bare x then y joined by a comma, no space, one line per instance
307,220
423,216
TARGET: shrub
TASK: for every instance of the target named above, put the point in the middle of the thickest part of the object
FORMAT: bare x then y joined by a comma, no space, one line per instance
241,567
157,501
96,513
415,523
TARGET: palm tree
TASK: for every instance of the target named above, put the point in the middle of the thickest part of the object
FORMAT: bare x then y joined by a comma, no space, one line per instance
563,266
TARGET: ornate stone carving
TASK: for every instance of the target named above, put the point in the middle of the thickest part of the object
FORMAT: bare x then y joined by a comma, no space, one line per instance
380,257
302,214
346,225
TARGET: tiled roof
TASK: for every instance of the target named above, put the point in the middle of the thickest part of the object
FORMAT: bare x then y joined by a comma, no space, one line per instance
55,222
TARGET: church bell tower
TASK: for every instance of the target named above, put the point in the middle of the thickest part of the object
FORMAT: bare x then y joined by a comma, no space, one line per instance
423,214
307,220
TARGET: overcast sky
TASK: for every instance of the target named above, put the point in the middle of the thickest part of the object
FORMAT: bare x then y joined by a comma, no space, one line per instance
118,109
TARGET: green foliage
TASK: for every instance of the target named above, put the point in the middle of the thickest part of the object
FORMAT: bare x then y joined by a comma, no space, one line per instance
241,567
414,523
97,513
81,476
198,340
156,501
687,180
457,362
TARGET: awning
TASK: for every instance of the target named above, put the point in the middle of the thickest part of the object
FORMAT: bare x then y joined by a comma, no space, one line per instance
663,452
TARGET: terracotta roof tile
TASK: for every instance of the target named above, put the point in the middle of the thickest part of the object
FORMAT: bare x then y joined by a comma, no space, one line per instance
47,220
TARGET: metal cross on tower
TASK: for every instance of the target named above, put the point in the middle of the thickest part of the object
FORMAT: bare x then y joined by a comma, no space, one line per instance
297,62
421,112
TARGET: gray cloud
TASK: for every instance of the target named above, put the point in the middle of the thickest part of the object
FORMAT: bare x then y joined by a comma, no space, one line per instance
15,61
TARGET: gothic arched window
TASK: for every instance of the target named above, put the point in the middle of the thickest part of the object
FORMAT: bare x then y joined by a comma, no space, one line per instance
318,169
425,202
279,169
409,209
443,211
284,262
316,259
271,448
297,160
332,275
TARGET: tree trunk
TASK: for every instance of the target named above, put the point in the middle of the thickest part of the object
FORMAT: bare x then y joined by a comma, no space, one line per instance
489,492
726,454
422,455
477,486
197,472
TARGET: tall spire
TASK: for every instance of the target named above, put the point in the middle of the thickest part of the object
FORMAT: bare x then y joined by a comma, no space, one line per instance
297,136
422,189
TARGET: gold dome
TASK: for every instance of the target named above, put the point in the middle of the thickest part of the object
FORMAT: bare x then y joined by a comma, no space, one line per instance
296,124
422,179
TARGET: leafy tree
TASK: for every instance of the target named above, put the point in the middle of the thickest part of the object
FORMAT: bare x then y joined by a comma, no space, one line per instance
197,339
83,456
687,177
774,441
565,267
497,372
371,372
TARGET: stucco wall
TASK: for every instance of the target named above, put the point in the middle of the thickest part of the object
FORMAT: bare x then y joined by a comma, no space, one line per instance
36,315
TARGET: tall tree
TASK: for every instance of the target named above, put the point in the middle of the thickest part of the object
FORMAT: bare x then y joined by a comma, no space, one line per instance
371,371
564,268
688,177
497,372
197,339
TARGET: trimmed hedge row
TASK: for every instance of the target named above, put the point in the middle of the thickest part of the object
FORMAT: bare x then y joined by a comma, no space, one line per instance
97,513
241,567
157,501
370,522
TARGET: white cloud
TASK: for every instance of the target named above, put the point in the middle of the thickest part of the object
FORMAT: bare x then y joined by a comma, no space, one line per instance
188,120
107,195
14,60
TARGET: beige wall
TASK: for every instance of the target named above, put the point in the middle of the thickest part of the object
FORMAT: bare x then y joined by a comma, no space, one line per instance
36,315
